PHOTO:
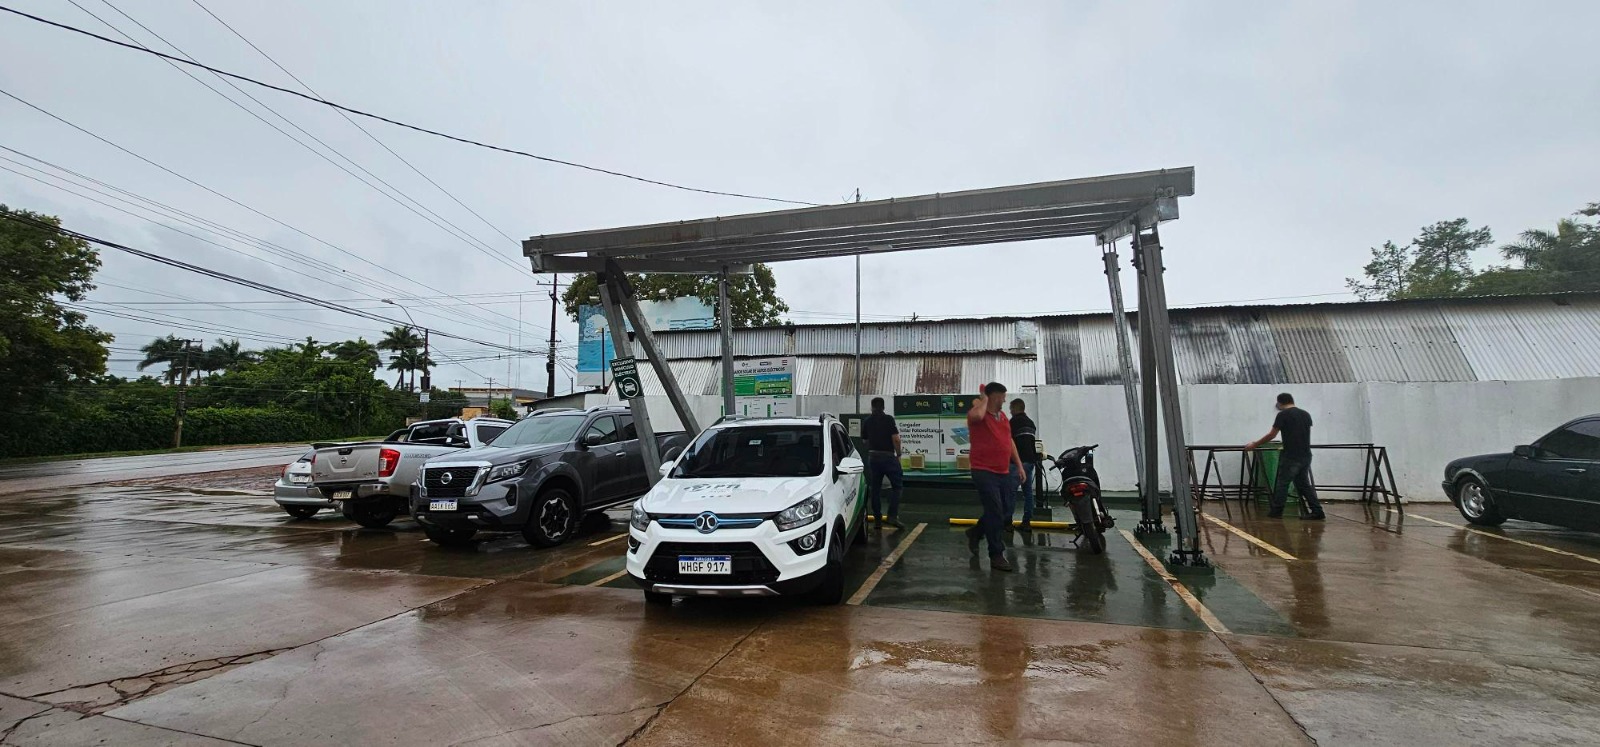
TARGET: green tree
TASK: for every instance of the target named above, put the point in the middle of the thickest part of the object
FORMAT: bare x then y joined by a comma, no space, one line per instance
43,343
227,355
409,361
357,352
753,298
503,409
164,351
1437,263
1566,259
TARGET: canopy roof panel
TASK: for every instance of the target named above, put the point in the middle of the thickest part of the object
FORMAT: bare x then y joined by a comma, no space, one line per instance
1104,206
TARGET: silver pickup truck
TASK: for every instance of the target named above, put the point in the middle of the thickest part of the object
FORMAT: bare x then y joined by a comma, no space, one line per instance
371,482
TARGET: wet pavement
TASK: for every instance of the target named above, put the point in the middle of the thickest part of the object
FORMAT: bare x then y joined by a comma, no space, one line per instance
144,615
80,472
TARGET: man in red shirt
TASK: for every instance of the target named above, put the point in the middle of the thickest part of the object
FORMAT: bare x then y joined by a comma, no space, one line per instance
993,452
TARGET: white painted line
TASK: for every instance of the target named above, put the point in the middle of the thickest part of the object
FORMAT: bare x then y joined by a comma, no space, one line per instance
1188,598
608,579
608,539
877,575
1248,537
1463,527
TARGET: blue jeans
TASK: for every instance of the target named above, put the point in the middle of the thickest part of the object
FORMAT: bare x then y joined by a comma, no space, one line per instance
1296,471
995,492
1034,470
881,464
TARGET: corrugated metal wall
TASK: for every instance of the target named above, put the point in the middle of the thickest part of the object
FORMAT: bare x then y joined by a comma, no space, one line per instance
1496,339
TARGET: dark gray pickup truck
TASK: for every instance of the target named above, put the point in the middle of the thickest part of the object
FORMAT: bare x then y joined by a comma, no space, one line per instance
541,477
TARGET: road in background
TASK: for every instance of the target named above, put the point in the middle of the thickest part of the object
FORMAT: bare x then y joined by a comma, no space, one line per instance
78,473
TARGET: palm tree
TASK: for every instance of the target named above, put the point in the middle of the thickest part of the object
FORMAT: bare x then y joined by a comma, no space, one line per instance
227,356
400,338
357,351
164,350
409,361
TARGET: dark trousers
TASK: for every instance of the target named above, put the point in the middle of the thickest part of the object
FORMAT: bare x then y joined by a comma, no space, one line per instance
1295,471
1026,489
881,464
995,492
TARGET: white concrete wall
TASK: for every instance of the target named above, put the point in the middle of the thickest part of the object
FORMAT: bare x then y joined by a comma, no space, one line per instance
1424,425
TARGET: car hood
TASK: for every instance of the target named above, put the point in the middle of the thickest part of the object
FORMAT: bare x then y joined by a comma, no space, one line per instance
729,495
501,455
1473,461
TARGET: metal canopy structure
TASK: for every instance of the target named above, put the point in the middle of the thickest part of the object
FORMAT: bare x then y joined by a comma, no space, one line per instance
1098,206
1106,207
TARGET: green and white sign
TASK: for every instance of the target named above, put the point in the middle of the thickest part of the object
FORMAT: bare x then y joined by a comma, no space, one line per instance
764,387
933,430
625,372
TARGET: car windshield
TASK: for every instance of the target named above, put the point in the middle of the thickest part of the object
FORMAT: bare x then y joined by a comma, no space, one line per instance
540,429
754,451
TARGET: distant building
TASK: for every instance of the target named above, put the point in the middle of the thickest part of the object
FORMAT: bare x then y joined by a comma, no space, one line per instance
1432,380
481,396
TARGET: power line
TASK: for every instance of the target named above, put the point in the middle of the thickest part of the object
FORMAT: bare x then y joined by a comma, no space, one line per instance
353,123
233,201
458,232
397,123
263,287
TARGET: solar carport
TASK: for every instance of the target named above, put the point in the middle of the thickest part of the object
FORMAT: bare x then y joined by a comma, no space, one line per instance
1108,208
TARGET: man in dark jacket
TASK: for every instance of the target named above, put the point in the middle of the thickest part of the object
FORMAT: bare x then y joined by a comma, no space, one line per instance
1026,435
883,460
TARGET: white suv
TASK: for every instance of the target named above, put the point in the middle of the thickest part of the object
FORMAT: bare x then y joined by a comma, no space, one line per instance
755,507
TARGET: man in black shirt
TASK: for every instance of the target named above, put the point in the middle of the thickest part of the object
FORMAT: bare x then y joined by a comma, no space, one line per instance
883,460
1294,466
1026,436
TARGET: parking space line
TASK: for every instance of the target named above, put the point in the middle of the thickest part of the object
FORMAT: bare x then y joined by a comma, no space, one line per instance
1248,537
1188,597
608,539
608,579
888,562
1508,539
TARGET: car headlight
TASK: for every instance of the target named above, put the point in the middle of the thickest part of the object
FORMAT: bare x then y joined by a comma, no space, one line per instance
640,520
508,471
800,514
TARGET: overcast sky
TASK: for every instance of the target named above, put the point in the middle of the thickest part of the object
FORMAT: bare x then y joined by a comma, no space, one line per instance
1316,131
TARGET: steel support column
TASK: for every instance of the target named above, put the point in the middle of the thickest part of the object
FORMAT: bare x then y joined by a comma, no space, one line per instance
647,340
1159,331
1119,320
1150,398
725,324
610,293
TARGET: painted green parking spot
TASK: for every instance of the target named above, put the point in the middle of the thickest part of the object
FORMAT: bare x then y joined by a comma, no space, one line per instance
1053,580
1235,605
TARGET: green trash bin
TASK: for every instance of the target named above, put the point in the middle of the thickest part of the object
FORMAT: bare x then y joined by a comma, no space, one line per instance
1267,457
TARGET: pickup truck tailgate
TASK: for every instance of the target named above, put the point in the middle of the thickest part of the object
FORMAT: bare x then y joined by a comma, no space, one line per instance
346,464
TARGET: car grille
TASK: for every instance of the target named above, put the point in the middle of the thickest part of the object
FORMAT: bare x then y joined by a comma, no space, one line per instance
460,478
750,565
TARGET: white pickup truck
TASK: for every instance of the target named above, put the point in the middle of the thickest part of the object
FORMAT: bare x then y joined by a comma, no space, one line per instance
371,482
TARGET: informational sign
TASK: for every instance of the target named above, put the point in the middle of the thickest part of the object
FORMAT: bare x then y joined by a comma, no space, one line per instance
625,372
933,432
764,387
595,345
423,397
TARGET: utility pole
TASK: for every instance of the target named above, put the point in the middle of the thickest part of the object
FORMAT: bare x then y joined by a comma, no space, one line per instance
183,387
858,322
550,363
489,393
427,381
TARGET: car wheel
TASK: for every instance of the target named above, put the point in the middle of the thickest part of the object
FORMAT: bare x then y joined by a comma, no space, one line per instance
301,512
1476,503
656,597
831,591
450,537
553,520
370,514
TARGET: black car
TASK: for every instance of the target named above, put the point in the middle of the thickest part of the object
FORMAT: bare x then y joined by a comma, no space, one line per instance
1556,480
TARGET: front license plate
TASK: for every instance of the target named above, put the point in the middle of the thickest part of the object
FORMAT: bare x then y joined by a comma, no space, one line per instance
342,495
441,505
706,564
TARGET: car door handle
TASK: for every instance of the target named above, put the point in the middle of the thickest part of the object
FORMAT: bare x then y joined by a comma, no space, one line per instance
622,453
1575,471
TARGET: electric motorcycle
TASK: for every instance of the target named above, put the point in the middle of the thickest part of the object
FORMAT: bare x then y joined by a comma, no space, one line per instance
1080,487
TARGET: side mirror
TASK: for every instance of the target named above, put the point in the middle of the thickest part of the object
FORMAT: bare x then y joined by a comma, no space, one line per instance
666,467
1526,452
850,466
672,454
591,439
